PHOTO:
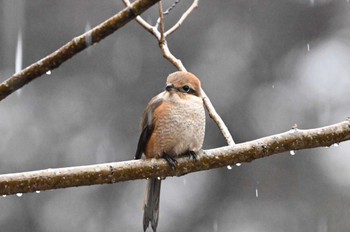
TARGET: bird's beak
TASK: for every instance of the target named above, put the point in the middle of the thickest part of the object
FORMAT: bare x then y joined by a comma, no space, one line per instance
169,87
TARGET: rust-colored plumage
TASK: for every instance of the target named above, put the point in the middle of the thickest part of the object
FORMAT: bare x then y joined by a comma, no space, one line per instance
173,124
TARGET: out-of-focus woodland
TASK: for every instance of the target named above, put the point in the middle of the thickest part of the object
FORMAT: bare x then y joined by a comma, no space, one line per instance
266,65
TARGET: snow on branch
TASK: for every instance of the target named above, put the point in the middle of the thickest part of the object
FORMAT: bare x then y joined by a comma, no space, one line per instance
76,45
294,139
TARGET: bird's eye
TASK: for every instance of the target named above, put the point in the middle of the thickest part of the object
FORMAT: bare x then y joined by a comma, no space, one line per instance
186,88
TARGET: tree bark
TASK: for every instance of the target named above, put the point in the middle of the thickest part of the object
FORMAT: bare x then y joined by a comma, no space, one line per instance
294,139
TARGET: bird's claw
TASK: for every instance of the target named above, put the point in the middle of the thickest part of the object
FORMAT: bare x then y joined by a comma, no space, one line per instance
171,160
193,155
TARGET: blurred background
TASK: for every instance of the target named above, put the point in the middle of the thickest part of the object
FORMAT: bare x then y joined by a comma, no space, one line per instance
266,65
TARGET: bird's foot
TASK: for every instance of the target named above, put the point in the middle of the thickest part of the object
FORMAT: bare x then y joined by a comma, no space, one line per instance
171,160
193,155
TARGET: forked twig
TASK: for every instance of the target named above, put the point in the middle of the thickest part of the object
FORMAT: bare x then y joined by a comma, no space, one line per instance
161,36
167,11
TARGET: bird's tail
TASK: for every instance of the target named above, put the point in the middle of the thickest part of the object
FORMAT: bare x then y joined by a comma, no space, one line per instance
151,207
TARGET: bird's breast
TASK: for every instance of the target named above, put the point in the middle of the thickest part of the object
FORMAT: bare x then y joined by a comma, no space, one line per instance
179,127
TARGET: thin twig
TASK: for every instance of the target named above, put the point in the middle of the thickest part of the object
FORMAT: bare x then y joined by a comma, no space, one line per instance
294,139
151,29
164,45
182,19
55,59
161,22
167,11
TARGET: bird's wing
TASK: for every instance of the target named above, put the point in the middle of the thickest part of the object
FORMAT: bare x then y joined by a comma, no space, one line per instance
147,125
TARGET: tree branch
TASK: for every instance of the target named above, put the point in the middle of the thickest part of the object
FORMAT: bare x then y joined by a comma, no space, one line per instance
294,139
55,59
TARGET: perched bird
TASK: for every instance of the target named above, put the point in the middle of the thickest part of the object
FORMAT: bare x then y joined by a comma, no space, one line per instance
173,125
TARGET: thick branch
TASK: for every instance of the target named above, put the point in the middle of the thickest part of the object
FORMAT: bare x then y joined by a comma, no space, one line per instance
108,173
73,47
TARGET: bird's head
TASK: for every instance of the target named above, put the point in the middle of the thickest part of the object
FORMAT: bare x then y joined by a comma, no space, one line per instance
184,84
